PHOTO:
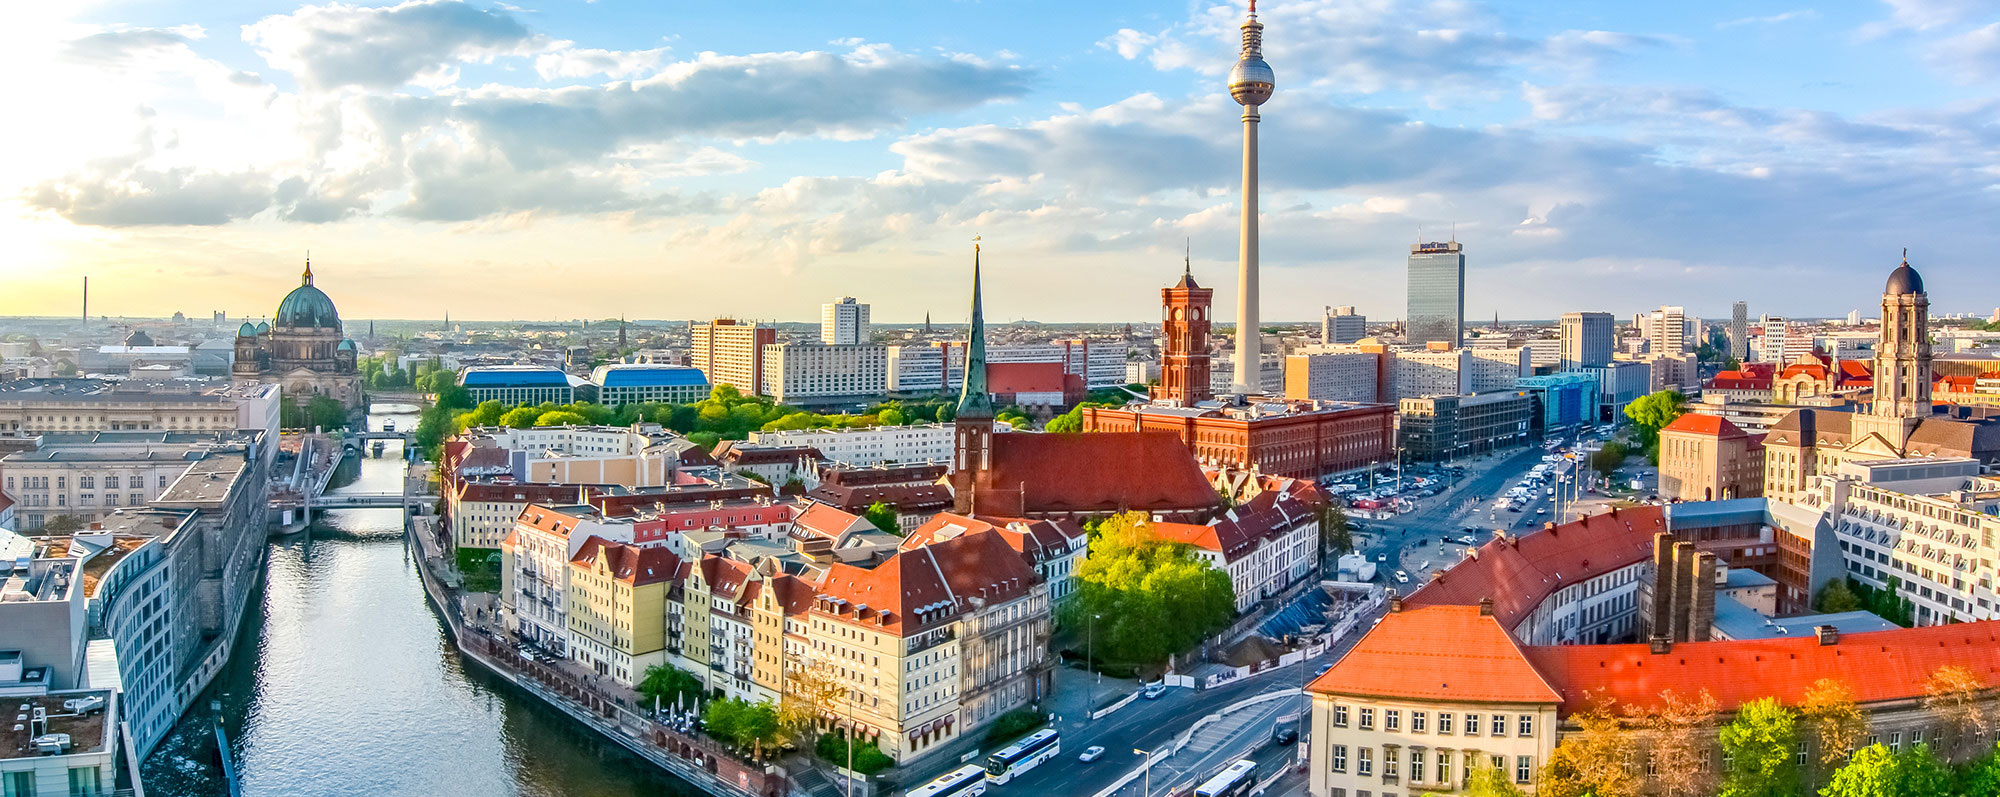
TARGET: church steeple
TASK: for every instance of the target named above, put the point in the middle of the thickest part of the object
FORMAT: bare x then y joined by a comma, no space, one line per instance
307,278
973,400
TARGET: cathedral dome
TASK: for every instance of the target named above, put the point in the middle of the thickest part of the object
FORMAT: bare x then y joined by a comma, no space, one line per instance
307,307
1904,280
263,328
345,345
248,330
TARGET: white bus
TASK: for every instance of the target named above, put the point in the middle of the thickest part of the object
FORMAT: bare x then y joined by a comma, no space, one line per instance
1235,781
966,781
1021,756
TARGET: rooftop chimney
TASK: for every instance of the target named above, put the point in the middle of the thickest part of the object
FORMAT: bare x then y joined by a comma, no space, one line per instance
1828,635
1486,607
1395,602
1662,645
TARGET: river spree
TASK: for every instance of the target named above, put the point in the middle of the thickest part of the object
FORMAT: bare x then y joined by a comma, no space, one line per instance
343,683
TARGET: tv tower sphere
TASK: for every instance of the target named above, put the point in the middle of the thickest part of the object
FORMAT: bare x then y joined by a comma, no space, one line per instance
1251,80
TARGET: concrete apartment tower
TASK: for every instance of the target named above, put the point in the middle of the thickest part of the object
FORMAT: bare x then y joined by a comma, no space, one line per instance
844,323
1250,83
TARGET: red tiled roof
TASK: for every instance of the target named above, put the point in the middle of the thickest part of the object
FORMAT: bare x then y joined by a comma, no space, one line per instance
1739,380
1876,665
1710,425
826,521
1521,572
1855,371
1097,472
923,587
1453,653
631,564
1814,370
1007,379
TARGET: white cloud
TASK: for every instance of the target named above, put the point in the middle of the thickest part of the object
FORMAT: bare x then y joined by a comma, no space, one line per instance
1128,43
337,45
585,62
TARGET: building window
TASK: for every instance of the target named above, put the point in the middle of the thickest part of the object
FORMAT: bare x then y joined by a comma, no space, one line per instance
1340,716
1499,725
1389,762
1416,766
1524,768
1444,722
1527,724
1364,762
1392,721
1368,719
1444,767
1340,758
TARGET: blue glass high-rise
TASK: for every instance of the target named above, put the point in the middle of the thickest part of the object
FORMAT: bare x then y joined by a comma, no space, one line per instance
1437,294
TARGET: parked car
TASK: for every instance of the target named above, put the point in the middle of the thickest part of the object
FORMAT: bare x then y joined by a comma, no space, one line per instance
1091,753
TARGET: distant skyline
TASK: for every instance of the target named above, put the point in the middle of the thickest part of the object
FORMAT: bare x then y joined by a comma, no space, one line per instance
573,159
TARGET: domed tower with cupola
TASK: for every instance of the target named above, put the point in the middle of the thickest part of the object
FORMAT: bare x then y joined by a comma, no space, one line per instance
301,348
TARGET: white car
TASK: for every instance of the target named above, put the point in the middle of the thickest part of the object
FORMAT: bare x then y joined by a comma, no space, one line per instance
1402,577
1091,753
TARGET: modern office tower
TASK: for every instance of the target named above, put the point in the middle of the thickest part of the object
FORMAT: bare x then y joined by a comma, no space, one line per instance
1342,325
731,353
843,323
1437,294
1250,84
1854,318
1586,340
1739,330
1666,330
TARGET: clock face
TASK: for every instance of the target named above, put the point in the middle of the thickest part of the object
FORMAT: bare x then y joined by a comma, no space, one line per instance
1180,314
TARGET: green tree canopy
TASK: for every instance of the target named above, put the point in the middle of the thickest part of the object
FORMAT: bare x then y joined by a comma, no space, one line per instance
1759,744
1652,412
1874,771
883,516
670,685
561,418
1150,598
520,417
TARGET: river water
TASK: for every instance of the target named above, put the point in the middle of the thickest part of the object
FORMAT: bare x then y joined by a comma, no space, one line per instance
342,683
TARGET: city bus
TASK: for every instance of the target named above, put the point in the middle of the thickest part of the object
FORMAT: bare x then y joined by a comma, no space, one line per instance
1236,781
966,781
1021,756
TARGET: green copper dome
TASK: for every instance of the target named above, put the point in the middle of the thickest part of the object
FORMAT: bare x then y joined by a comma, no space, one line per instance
307,307
248,330
345,345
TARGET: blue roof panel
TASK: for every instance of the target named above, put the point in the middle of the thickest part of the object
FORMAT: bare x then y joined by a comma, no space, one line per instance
542,378
660,376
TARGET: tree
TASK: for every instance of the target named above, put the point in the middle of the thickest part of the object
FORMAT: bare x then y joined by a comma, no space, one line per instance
1836,597
561,418
1759,745
65,368
520,417
1336,533
1832,721
1067,423
813,692
62,524
883,516
1609,458
1153,597
1957,697
1594,761
1679,732
742,723
1652,412
1486,780
669,685
1982,776
1877,772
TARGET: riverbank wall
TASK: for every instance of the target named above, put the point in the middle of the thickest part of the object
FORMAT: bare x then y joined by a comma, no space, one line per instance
697,760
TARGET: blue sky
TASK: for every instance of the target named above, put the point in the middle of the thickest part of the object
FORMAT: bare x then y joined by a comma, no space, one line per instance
680,160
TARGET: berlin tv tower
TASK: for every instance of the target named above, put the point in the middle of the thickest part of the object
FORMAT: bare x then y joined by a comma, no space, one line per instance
1250,83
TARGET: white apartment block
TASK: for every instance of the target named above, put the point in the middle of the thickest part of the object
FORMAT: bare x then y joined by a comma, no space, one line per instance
731,353
1498,369
941,367
1342,325
1783,341
1543,351
1927,523
793,372
843,323
1416,374
1667,329
89,475
34,406
1333,376
917,369
872,446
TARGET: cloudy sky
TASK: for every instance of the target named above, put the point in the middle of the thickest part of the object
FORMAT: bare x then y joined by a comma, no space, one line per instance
564,159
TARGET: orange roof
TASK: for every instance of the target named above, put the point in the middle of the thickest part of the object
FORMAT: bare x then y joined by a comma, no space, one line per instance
631,564
1455,653
1876,665
1520,572
1710,425
1094,472
1007,379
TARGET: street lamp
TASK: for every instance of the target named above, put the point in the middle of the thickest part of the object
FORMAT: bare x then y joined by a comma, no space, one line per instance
1089,659
1147,788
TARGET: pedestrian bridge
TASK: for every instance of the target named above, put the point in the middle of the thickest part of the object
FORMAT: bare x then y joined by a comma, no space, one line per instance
369,500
